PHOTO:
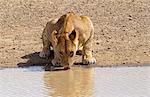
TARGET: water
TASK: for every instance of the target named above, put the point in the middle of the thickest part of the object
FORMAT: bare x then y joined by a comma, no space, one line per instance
77,82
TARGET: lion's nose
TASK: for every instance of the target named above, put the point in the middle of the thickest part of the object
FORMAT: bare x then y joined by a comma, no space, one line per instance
66,67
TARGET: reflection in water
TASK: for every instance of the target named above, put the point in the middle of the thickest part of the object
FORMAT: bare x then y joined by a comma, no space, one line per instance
77,82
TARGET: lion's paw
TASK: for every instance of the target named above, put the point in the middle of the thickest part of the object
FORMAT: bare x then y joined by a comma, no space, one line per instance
44,54
56,62
91,60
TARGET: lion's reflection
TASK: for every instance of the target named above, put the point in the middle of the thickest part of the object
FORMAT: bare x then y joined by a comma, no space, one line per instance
76,82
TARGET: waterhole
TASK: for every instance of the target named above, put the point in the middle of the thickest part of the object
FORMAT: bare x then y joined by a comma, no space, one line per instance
76,82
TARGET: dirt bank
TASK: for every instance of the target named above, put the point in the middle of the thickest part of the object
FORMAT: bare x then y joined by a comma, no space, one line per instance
122,28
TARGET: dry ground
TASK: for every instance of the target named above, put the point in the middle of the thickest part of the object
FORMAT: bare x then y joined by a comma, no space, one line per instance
122,29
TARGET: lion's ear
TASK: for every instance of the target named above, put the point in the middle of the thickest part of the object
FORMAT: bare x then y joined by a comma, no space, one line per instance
54,37
73,35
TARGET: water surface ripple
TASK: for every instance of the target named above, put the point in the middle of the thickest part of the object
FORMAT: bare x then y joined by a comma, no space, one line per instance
76,82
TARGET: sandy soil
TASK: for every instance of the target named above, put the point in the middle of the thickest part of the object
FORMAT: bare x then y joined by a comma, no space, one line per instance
122,28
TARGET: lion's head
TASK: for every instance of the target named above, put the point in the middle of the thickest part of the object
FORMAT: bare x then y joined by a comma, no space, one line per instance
65,47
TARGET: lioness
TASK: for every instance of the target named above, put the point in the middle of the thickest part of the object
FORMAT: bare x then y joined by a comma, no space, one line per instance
66,35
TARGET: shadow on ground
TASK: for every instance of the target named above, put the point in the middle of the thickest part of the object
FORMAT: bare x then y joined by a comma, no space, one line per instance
33,59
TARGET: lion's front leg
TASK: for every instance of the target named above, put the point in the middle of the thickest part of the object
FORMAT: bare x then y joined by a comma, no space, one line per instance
46,47
87,57
45,52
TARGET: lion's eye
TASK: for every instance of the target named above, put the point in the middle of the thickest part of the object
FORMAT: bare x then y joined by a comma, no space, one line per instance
71,54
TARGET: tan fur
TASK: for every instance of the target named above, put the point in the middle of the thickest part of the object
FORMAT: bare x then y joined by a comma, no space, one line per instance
66,35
